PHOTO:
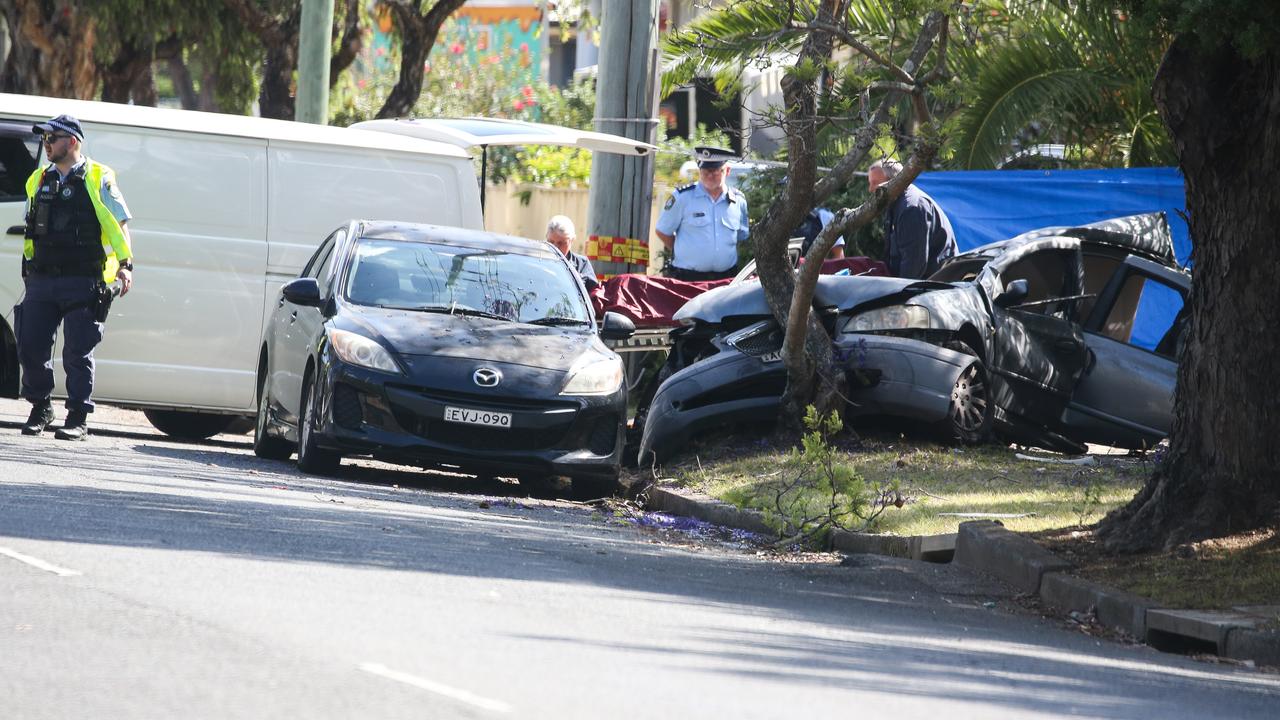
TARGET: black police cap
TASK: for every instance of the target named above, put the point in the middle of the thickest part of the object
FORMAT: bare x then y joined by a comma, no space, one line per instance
710,158
62,123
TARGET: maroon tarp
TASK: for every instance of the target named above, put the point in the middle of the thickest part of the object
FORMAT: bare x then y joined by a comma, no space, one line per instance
650,301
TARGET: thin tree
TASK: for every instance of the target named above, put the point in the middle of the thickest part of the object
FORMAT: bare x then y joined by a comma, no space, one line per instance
418,24
839,80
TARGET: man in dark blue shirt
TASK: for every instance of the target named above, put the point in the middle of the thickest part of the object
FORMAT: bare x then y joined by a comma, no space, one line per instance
917,234
560,232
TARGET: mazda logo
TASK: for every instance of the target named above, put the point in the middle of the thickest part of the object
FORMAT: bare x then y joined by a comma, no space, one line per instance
487,377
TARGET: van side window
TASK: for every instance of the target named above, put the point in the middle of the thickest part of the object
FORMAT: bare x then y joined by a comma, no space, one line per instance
18,152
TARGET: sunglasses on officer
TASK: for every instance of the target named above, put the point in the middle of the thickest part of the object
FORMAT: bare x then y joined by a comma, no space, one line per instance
52,138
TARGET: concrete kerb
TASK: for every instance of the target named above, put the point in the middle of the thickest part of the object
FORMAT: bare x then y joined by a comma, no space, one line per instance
988,546
931,548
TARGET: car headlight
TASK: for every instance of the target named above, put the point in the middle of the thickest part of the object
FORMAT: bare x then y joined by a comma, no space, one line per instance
355,349
594,375
895,317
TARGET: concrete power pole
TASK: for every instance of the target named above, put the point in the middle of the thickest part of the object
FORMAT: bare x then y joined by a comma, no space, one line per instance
313,61
626,100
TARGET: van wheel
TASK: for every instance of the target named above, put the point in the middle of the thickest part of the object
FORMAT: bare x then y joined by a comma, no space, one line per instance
264,445
188,425
312,458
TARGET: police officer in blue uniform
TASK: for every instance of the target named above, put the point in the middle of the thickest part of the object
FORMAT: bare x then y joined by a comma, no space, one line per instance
701,224
76,241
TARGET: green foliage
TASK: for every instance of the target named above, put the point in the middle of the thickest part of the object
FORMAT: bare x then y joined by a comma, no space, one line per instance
1252,27
455,86
1090,489
822,492
1077,74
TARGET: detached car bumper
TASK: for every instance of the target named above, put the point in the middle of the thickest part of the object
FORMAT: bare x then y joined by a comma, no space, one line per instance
724,389
367,412
900,376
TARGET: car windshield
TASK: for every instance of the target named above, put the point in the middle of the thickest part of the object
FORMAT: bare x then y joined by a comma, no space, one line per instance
484,282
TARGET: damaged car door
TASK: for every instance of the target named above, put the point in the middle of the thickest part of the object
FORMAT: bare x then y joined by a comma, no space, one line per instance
1038,352
1125,395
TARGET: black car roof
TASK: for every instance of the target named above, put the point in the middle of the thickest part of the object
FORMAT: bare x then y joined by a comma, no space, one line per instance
1146,235
457,237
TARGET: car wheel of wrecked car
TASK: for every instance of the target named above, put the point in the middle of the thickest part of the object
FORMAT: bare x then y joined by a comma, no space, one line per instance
969,417
264,445
311,457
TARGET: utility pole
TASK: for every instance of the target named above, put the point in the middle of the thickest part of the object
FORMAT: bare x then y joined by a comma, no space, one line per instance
313,61
626,100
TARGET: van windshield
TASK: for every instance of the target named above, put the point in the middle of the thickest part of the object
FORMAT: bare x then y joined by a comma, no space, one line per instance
465,280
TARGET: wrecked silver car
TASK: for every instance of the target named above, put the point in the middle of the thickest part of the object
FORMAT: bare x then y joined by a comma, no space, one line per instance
1056,337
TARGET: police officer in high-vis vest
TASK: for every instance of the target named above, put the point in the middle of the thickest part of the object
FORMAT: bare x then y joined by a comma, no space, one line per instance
701,224
76,243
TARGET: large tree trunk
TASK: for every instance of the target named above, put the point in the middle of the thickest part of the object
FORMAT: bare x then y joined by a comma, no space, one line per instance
52,51
1222,473
129,76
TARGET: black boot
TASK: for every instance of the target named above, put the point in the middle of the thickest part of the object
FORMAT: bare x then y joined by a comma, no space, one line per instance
75,428
40,417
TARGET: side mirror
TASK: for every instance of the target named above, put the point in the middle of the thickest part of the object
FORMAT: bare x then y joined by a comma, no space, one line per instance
1014,293
617,327
302,291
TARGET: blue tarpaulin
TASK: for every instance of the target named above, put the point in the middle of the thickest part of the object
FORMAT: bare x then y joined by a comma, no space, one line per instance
989,205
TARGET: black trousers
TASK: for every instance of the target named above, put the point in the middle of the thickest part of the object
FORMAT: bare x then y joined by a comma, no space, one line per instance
679,273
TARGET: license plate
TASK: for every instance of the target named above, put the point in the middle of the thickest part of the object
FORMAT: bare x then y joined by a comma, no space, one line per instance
477,417
771,357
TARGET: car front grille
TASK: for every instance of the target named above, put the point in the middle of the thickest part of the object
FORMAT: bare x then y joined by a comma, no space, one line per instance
761,343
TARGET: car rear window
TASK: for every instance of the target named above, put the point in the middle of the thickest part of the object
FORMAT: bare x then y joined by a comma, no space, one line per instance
417,275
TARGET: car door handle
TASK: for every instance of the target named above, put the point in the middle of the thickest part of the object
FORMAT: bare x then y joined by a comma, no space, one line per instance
293,317
16,230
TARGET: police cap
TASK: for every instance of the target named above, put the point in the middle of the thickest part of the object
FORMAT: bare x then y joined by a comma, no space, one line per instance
711,158
62,123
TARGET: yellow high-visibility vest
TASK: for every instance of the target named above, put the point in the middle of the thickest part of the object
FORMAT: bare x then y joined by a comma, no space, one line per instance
115,246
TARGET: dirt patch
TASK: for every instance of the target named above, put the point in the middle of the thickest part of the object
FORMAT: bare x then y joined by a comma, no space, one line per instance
1241,570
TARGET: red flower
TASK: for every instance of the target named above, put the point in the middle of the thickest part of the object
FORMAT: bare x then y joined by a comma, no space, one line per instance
518,105
527,91
456,48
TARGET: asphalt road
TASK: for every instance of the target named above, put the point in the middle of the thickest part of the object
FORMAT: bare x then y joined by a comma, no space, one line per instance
145,578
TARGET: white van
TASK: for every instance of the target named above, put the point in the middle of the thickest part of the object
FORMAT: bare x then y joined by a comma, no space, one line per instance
226,209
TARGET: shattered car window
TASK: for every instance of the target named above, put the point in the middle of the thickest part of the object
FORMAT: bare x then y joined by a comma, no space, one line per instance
1050,274
1155,309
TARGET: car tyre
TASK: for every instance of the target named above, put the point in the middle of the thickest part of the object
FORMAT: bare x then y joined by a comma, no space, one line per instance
264,445
312,458
969,416
188,425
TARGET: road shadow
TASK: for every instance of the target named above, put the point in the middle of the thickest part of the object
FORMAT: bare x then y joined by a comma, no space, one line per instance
964,653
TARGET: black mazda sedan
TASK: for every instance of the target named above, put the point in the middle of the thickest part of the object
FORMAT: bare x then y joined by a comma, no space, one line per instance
442,347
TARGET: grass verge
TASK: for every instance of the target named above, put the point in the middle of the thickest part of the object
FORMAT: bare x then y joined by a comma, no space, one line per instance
1241,570
941,484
